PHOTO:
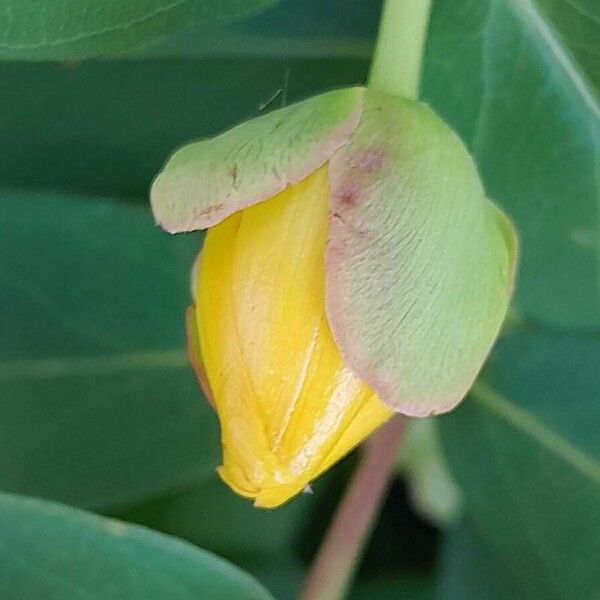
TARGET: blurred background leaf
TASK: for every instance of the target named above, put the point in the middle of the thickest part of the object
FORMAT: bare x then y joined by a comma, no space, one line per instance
291,29
99,405
106,127
525,450
209,515
469,570
53,552
51,29
518,80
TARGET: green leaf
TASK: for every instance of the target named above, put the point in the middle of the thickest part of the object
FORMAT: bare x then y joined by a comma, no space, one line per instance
411,235
526,452
107,127
519,79
56,553
51,30
206,181
99,406
311,28
211,516
469,570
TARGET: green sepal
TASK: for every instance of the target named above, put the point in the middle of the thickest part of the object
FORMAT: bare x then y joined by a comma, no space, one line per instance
206,181
420,265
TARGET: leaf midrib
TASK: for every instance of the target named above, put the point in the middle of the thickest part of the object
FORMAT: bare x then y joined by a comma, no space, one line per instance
530,16
531,427
49,368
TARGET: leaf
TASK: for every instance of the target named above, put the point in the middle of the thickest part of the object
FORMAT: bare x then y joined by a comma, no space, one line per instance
211,516
266,543
309,29
53,552
525,451
51,30
98,404
518,79
470,571
411,235
393,588
206,181
112,127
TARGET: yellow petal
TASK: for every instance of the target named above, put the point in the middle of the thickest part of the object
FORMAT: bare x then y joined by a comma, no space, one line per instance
289,408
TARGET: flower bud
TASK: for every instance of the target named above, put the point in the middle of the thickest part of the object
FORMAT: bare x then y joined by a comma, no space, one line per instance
353,267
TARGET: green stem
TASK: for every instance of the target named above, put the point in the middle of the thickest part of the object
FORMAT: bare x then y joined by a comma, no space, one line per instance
396,65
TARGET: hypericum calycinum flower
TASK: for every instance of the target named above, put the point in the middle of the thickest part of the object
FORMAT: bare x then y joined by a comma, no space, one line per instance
353,267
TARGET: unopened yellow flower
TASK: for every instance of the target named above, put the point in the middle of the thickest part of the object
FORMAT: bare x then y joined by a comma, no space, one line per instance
352,267
288,405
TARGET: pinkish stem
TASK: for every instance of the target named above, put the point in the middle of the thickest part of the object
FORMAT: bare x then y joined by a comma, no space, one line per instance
333,569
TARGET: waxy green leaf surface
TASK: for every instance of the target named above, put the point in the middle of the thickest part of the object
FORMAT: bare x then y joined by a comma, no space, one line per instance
68,29
99,405
519,80
525,450
52,552
113,127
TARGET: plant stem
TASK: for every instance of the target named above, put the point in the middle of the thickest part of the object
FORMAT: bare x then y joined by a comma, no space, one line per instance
396,65
333,569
